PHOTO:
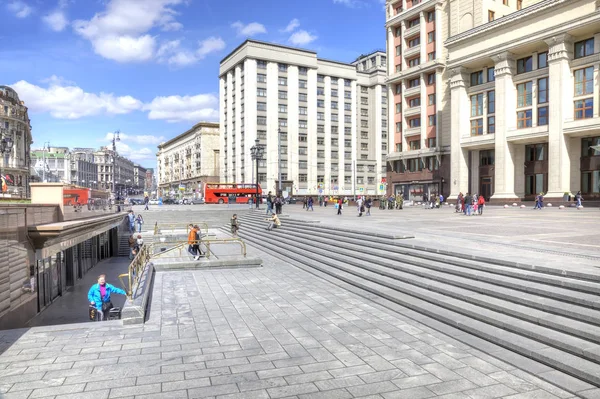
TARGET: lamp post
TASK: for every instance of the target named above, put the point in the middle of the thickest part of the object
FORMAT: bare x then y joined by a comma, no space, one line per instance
257,151
6,145
115,138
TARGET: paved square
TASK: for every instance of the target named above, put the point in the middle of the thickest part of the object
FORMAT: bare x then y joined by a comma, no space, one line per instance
271,332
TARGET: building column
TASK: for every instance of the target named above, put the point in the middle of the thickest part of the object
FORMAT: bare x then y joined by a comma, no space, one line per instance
459,172
423,97
560,108
391,51
504,178
423,36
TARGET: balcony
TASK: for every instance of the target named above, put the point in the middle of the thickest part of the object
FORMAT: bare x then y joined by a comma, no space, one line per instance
412,51
412,111
482,141
581,127
413,131
412,31
413,91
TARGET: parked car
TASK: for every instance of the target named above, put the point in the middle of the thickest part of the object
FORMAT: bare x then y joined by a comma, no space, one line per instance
169,201
197,201
153,202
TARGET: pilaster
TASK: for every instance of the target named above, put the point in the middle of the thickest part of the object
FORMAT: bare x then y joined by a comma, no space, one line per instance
423,97
560,108
459,172
423,35
505,121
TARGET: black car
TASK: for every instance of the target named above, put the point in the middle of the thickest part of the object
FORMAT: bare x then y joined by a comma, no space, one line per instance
169,201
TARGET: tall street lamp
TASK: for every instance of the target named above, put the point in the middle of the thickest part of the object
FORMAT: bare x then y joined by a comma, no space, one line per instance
257,151
6,145
114,159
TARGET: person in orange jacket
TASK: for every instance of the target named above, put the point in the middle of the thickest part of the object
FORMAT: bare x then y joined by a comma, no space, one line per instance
191,239
480,204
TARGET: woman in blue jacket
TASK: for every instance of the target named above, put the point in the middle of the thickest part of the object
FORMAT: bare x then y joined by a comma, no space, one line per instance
99,295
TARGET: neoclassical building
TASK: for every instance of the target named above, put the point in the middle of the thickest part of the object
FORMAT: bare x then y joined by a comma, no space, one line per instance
187,161
14,124
525,102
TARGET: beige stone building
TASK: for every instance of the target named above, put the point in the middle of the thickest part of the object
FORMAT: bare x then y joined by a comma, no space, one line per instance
525,99
15,125
329,115
187,161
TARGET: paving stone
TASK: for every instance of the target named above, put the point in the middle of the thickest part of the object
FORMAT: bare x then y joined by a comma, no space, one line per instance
234,378
156,378
112,383
100,394
371,389
260,394
308,377
309,368
59,390
333,384
261,384
408,367
410,393
185,384
537,394
441,372
164,395
298,389
334,394
475,376
416,381
590,394
447,387
348,371
279,372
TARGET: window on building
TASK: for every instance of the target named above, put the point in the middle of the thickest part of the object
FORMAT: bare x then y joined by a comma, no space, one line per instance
477,78
302,124
414,102
347,130
347,94
536,152
542,116
302,84
282,122
334,93
303,178
491,75
431,99
431,37
261,93
414,83
542,60
398,50
347,119
524,119
525,65
413,62
302,97
334,81
491,101
431,78
476,127
261,120
524,94
491,124
431,142
282,81
398,127
334,117
320,91
586,151
477,104
431,56
261,78
302,151
364,112
261,106
320,116
414,22
430,16
414,144
303,138
334,105
398,89
414,122
282,95
282,67
584,48
302,71
320,78
431,120
398,32
505,2
486,157
584,81
364,146
414,42
519,4
348,106
364,101
363,89
320,129
321,103
303,111
542,87
584,108
491,15
282,108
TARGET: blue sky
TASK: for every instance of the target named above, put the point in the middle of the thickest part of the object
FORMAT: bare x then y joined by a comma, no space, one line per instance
150,67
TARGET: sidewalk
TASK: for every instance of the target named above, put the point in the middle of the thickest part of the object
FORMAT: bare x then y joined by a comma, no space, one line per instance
72,307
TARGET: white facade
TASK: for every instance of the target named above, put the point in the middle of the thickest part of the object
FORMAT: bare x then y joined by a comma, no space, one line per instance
188,160
14,124
329,145
542,70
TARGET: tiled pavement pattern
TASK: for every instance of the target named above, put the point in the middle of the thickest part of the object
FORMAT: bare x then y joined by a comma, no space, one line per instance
273,332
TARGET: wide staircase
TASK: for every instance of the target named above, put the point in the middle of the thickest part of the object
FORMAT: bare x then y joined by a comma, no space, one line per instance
536,319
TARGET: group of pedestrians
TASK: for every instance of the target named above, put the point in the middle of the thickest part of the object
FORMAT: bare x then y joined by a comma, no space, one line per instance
468,204
274,202
135,243
434,201
391,202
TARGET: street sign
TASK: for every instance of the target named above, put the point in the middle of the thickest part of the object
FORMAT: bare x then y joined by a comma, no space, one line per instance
381,187
383,180
361,189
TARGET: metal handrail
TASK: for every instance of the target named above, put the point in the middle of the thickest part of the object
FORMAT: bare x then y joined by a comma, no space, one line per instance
174,226
180,247
207,243
136,267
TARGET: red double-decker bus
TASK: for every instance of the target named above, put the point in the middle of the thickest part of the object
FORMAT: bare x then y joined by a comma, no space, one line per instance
219,193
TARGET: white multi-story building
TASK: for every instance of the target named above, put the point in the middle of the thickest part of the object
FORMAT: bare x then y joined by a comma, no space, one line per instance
187,161
525,101
123,171
139,178
15,125
330,118
51,164
84,171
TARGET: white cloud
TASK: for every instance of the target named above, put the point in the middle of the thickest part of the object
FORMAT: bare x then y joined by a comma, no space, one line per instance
135,154
302,38
294,23
20,8
197,108
120,32
56,20
72,102
172,53
137,139
252,29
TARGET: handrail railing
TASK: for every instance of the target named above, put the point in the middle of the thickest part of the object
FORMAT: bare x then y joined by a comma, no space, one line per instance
136,267
178,226
179,246
207,243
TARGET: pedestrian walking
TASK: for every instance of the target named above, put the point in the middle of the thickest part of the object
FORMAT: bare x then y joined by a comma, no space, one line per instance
481,203
578,198
269,203
459,200
278,204
197,242
360,206
309,204
235,225
304,203
139,220
132,243
146,203
368,204
192,240
340,203
99,297
539,202
468,204
131,220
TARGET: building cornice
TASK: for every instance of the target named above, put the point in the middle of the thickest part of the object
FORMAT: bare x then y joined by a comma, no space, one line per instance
412,12
266,44
512,17
194,129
